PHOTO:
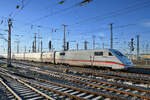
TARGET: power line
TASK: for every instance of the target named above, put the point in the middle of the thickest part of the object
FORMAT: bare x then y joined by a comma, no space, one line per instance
45,26
107,28
20,7
54,13
50,6
114,13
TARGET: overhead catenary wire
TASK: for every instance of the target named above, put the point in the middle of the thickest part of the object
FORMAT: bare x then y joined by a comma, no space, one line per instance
93,30
62,11
107,28
54,13
51,14
57,12
122,26
113,13
21,8
49,6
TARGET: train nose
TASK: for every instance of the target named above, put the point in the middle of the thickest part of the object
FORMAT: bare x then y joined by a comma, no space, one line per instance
128,64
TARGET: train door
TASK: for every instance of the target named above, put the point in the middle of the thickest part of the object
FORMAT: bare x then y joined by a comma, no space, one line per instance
99,58
92,59
62,57
54,57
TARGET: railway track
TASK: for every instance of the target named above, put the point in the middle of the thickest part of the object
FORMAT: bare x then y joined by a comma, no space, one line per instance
19,90
120,90
127,91
101,86
131,75
9,94
61,91
112,78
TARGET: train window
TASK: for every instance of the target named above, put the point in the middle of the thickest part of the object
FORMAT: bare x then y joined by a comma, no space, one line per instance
110,54
98,53
62,54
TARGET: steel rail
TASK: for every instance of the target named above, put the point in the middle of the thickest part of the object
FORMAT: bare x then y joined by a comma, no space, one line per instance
140,74
95,85
116,90
107,83
138,80
37,91
70,87
52,90
97,81
10,90
77,89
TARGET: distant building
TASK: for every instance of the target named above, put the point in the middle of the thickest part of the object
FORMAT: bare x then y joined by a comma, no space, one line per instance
141,56
145,56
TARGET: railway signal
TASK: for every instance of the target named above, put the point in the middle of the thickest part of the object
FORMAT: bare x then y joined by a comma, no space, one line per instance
67,46
131,45
85,44
84,1
50,45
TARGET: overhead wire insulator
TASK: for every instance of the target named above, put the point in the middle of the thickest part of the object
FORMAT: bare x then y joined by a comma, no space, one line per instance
61,2
132,44
17,6
50,45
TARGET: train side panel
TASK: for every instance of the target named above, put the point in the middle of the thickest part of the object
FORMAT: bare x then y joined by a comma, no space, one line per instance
4,55
48,57
18,56
99,58
33,57
104,58
79,58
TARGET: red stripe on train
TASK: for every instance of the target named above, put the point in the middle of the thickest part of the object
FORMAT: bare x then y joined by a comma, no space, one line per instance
97,61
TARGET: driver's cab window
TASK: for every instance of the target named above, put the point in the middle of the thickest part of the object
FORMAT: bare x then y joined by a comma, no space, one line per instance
110,54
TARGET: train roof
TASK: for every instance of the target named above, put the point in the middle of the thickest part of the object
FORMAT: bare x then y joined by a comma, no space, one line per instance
90,50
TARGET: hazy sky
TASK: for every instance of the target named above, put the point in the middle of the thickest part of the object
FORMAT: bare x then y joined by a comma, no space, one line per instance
129,18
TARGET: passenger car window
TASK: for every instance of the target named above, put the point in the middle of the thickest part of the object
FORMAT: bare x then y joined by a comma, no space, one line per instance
98,53
62,54
110,54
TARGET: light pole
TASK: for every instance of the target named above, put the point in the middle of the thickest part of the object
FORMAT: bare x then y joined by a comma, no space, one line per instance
9,43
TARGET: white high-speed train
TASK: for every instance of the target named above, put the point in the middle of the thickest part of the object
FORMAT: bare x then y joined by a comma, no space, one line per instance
108,58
